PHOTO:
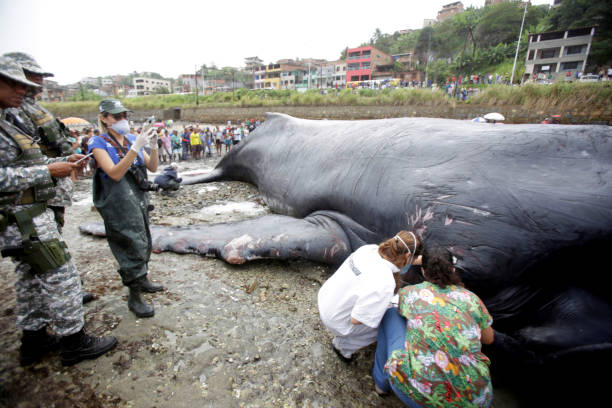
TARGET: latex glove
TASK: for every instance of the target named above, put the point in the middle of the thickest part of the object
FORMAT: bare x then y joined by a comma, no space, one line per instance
140,142
153,140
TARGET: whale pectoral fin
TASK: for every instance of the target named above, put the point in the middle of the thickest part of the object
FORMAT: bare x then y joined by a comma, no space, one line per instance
317,239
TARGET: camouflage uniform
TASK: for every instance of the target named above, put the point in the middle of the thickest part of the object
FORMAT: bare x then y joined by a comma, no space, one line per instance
49,297
37,121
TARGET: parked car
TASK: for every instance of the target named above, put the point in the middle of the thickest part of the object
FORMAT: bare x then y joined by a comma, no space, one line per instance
589,78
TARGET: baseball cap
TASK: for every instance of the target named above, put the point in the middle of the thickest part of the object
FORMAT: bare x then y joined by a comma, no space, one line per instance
112,106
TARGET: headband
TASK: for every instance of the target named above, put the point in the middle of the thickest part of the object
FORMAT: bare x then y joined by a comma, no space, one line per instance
403,242
408,249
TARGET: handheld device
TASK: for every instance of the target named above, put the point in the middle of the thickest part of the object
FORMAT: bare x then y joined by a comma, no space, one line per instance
83,158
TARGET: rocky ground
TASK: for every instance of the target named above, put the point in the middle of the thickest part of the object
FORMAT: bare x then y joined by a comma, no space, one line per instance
222,335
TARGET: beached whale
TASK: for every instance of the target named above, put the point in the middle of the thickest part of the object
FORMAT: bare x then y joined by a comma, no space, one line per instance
526,210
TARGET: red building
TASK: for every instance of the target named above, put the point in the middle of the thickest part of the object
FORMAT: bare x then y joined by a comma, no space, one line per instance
361,61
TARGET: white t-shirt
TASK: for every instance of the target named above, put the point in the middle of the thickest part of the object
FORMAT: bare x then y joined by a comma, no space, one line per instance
362,287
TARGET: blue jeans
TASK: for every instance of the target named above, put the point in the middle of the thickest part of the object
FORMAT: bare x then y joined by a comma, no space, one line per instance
391,337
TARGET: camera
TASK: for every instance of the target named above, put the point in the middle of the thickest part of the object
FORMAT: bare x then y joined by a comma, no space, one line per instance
140,176
146,185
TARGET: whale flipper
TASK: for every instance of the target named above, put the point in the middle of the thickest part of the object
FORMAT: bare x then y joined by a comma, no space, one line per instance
324,236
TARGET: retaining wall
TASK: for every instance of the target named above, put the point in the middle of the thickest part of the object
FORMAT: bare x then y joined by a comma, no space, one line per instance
513,114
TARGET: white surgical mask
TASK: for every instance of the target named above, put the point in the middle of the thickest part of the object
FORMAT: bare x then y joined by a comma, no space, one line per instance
122,127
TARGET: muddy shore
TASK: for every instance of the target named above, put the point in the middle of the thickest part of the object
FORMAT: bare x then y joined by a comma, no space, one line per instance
222,335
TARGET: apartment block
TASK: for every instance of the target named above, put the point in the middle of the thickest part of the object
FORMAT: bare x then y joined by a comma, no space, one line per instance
558,54
362,61
450,10
148,86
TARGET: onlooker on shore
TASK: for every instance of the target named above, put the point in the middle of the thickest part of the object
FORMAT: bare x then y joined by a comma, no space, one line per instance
218,140
237,135
229,137
196,144
176,145
166,148
186,142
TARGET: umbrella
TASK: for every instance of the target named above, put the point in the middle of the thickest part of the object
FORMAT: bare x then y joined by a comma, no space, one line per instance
494,116
75,122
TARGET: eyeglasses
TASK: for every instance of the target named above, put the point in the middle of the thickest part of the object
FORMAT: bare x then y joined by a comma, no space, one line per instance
119,116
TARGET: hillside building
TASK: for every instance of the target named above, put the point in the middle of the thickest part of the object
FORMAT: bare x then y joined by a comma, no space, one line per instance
558,54
149,86
361,62
450,10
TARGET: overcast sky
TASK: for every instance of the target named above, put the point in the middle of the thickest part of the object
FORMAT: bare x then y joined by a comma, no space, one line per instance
80,38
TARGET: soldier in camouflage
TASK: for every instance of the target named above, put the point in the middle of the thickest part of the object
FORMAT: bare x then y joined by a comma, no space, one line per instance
37,121
48,286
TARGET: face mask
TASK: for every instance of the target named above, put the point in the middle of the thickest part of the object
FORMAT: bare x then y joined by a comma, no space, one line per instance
122,127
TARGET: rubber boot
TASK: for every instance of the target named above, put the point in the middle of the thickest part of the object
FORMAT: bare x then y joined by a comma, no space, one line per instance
87,297
147,286
137,305
35,344
81,346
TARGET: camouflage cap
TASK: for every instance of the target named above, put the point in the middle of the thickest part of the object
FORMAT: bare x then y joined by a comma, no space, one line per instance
11,69
112,106
28,63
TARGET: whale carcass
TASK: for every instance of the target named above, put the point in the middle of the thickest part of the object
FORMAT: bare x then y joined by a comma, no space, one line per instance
525,209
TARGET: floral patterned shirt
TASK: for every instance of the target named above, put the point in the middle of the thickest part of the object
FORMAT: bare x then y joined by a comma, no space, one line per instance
442,364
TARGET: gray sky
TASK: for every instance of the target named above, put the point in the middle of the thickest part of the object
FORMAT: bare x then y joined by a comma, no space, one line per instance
79,38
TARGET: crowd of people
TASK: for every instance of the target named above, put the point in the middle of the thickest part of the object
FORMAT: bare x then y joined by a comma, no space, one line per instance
195,142
402,294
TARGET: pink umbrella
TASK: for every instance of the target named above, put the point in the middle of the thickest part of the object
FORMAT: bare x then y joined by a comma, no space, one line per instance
160,124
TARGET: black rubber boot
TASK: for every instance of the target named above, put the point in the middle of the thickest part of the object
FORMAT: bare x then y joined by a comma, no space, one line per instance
88,297
35,344
146,285
137,305
81,346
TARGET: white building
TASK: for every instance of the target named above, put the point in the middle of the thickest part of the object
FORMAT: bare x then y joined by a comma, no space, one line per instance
149,86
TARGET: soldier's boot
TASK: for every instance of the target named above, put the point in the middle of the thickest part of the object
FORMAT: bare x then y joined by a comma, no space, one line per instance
147,286
35,344
137,305
81,346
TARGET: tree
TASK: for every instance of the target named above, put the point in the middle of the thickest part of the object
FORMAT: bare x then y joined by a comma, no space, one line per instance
500,24
466,24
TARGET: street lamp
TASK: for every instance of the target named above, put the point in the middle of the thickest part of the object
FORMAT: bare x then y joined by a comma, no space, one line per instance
518,44
195,77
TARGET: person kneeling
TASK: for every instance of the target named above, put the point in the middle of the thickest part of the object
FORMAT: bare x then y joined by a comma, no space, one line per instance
169,181
353,301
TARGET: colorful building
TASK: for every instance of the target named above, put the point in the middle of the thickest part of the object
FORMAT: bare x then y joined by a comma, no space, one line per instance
361,62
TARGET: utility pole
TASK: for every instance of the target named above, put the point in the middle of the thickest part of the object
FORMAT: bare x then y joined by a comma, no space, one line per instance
321,76
196,84
233,84
427,62
518,44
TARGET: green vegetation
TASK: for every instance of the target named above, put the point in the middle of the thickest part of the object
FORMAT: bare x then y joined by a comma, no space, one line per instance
483,40
563,95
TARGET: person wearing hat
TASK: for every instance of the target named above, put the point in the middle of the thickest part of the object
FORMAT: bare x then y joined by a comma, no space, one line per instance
55,140
48,286
120,193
